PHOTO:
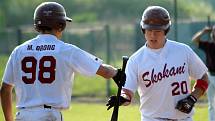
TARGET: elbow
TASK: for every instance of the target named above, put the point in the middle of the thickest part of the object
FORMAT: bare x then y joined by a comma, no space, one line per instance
6,89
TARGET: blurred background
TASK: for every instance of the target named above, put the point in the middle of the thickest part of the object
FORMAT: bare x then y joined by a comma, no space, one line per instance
108,29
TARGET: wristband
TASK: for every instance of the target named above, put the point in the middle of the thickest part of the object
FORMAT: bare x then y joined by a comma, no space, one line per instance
193,98
201,84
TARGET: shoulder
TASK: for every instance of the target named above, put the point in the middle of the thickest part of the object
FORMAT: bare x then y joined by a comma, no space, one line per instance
179,48
17,50
22,46
70,49
178,45
67,46
138,54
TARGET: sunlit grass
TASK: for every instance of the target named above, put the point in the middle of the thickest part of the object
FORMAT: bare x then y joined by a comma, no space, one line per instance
98,112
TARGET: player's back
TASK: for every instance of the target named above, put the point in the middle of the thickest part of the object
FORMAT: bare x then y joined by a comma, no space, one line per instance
42,72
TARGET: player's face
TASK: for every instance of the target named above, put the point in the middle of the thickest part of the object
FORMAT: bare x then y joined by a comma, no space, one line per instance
155,38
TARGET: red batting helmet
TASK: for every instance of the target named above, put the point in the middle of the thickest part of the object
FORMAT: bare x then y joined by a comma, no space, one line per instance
50,15
155,17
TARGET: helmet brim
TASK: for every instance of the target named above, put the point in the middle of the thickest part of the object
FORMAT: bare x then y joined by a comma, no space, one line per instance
68,19
155,27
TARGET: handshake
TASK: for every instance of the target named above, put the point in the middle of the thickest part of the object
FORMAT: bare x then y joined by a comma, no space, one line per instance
119,79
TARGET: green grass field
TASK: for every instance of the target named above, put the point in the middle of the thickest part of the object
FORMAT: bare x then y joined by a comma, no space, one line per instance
95,86
98,112
3,61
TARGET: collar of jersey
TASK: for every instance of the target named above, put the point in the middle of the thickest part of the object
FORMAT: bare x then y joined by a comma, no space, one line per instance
157,50
161,52
47,37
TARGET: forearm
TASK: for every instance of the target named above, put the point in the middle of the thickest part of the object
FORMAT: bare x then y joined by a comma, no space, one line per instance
107,71
198,91
186,105
6,102
7,109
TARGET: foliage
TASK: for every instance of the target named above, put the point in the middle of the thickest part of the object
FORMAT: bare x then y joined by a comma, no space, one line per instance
195,10
103,10
2,21
85,17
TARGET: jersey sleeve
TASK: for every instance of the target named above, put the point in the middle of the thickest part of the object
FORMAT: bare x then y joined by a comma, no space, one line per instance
131,76
84,62
8,76
196,67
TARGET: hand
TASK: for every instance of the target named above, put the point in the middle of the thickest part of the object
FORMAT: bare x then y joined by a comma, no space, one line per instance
113,101
119,78
186,105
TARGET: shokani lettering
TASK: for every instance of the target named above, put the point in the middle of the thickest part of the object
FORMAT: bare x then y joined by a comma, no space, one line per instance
157,77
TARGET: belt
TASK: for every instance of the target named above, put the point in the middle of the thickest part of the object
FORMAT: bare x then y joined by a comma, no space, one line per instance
167,119
42,106
47,106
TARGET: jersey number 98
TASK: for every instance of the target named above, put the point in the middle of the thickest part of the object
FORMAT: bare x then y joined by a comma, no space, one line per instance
42,69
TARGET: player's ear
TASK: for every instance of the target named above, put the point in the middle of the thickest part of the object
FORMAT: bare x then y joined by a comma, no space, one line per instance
59,30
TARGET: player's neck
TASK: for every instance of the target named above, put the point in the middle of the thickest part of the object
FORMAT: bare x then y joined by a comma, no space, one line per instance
58,34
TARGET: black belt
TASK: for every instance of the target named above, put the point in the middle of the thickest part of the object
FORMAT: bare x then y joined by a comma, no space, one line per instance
167,119
44,106
47,106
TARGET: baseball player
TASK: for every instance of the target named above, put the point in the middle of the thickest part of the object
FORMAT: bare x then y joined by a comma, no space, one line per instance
42,69
160,71
208,47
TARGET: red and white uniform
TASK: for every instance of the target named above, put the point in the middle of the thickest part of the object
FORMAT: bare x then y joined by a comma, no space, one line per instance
161,77
42,70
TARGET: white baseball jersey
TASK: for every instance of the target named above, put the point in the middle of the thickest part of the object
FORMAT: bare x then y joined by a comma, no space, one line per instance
42,71
162,78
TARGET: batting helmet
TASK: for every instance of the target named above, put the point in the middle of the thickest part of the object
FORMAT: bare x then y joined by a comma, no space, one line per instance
50,15
155,17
